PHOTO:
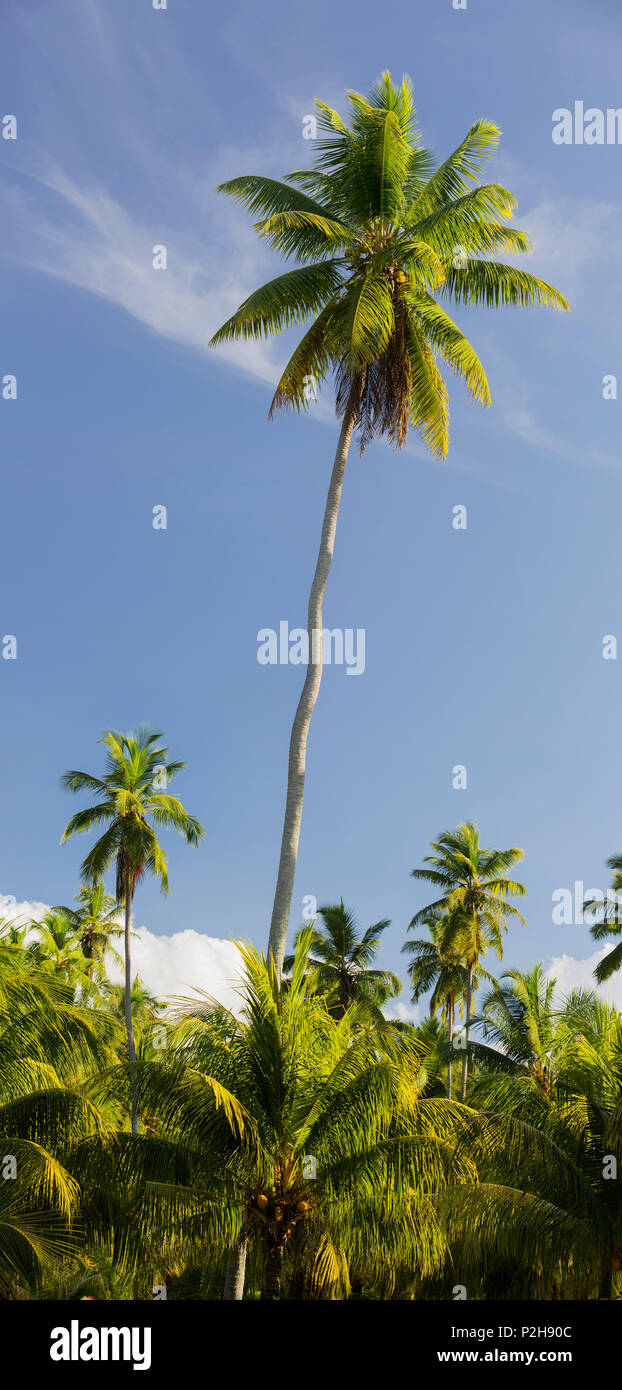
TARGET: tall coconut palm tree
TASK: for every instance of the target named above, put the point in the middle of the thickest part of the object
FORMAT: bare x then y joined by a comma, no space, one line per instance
437,967
475,889
373,230
341,962
133,808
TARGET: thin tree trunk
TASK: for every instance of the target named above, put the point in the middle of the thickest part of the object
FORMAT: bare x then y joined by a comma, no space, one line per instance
302,719
274,1270
235,1272
450,1030
127,1001
465,1059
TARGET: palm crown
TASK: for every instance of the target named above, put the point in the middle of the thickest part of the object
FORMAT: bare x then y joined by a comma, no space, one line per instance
133,808
375,228
341,962
474,892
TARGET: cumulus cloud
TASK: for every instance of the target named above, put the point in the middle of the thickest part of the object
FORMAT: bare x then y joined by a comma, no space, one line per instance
176,966
404,1013
21,912
570,973
172,967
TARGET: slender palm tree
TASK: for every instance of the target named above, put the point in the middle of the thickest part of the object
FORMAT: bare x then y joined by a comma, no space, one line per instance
96,920
475,889
437,967
341,962
609,923
133,807
373,230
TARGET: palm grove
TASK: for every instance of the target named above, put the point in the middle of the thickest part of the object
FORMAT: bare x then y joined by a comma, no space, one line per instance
306,1145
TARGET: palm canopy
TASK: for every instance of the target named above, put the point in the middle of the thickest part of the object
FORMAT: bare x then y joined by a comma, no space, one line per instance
133,807
340,960
374,229
546,1144
437,967
474,888
96,920
307,1134
519,1017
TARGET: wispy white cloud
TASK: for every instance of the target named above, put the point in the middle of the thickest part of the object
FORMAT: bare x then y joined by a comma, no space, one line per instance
88,239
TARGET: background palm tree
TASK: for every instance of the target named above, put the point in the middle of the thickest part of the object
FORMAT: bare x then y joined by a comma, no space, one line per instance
475,889
49,1048
548,1147
133,807
96,919
520,1025
57,947
340,960
12,933
609,923
437,967
373,229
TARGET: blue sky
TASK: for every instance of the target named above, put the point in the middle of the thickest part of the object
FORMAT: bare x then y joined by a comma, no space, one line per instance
482,647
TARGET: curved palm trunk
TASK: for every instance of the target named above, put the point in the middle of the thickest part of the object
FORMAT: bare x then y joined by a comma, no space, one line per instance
127,1002
234,1273
302,718
465,1059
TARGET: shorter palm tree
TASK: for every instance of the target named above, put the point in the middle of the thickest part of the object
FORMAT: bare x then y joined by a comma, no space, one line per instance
133,807
340,960
474,892
436,967
520,1025
96,919
57,948
548,1145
